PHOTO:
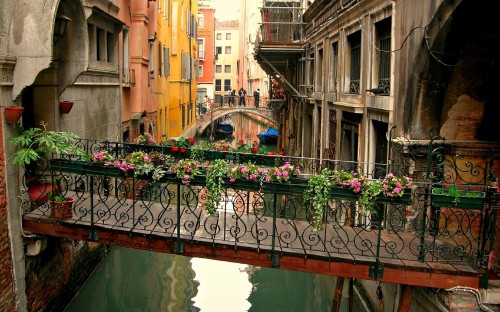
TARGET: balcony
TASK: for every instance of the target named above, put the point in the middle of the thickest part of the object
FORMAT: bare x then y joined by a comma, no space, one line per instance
269,223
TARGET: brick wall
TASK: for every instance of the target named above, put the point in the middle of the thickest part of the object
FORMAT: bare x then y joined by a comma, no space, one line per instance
7,294
55,276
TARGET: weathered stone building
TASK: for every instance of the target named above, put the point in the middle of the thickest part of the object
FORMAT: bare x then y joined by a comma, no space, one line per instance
358,73
51,51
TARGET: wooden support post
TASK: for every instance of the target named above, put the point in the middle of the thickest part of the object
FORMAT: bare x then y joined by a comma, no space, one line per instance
405,298
337,296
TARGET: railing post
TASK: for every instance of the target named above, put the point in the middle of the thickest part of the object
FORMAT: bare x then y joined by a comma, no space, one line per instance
273,256
179,247
377,270
93,234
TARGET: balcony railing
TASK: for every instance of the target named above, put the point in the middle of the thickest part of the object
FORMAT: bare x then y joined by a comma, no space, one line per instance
273,216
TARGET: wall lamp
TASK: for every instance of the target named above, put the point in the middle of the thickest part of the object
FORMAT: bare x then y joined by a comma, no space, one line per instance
60,26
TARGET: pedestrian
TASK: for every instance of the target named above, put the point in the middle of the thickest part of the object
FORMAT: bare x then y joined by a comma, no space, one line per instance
231,97
256,96
228,96
242,93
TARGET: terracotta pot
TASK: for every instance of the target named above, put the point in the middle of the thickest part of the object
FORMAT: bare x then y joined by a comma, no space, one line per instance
13,113
65,107
62,210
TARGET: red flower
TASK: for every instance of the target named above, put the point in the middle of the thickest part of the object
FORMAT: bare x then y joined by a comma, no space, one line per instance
191,140
241,141
272,153
175,149
254,150
183,150
171,143
281,153
225,149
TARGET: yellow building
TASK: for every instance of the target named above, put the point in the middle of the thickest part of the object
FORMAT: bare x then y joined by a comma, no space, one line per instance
175,53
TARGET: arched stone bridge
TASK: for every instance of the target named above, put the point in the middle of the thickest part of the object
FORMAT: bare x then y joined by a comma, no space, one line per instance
204,120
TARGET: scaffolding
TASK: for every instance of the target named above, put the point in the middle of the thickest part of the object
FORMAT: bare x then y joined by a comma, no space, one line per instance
282,22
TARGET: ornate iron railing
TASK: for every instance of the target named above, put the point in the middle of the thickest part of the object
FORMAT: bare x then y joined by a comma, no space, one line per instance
274,217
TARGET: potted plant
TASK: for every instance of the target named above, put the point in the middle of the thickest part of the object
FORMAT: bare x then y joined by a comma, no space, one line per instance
186,169
13,113
65,107
247,175
34,143
62,207
214,182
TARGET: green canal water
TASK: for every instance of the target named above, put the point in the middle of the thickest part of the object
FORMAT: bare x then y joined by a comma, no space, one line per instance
137,280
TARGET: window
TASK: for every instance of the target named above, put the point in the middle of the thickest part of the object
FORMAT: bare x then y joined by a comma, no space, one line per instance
219,36
319,72
200,20
218,68
101,46
228,36
166,62
160,59
200,70
201,49
383,33
228,50
227,84
151,59
218,86
354,42
227,68
334,63
218,50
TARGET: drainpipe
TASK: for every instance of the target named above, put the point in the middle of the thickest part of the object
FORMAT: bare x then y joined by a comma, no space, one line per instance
192,64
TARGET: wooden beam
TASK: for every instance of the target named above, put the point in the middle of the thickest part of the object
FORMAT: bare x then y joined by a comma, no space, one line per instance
337,296
405,298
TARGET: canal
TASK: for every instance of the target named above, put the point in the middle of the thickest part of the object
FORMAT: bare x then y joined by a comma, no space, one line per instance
137,280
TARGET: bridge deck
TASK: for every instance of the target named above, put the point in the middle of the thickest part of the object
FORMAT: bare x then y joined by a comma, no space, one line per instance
246,236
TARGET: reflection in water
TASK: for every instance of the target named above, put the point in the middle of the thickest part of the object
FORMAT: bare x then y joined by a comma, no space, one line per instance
137,280
224,286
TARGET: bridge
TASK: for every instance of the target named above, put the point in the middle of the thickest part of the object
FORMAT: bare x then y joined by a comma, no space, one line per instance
206,119
412,242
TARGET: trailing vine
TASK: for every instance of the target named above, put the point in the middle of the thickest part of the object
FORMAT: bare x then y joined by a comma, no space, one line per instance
214,182
317,194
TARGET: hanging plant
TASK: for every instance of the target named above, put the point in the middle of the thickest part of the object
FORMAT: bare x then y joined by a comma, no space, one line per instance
214,182
317,195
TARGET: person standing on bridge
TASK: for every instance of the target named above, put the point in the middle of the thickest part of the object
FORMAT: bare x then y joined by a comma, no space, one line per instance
256,96
242,93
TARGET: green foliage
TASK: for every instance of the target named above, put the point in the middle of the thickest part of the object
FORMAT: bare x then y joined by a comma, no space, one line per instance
214,183
369,195
58,198
317,194
34,143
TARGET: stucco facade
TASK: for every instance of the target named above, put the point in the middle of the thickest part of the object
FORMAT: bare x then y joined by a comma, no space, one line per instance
176,56
206,40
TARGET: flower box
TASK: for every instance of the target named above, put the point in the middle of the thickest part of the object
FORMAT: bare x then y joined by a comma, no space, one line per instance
242,184
84,168
405,199
283,188
463,199
343,193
